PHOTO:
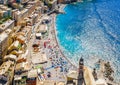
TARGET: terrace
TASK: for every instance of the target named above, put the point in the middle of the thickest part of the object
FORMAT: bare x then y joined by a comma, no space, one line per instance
7,25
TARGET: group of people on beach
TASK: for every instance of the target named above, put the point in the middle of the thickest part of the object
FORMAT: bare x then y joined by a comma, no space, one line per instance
54,54
56,62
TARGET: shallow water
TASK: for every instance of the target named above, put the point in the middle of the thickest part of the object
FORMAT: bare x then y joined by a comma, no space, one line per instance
91,30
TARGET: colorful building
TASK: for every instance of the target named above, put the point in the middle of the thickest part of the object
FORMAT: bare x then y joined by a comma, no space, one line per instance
3,45
6,11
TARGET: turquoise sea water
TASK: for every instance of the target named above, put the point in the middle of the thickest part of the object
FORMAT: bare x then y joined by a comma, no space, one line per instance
91,30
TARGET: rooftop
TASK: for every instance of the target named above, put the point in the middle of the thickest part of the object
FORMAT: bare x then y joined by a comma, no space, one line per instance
52,1
31,2
23,11
6,24
49,82
88,77
26,29
40,58
42,28
18,12
5,66
21,38
3,36
8,31
24,65
10,57
22,57
29,6
32,73
4,7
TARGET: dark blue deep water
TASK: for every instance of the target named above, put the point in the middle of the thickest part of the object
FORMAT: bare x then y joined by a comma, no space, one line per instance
91,30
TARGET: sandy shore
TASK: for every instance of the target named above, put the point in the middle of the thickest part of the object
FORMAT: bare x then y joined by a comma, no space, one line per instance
55,34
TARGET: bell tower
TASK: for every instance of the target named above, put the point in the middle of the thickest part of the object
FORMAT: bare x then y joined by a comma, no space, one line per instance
81,62
81,72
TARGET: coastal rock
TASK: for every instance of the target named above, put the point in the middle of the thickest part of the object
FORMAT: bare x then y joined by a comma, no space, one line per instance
108,71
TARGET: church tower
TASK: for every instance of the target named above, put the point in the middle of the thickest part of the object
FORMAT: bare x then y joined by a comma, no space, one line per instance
81,72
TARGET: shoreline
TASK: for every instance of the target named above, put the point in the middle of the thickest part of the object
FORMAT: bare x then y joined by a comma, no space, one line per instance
58,45
62,7
56,40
